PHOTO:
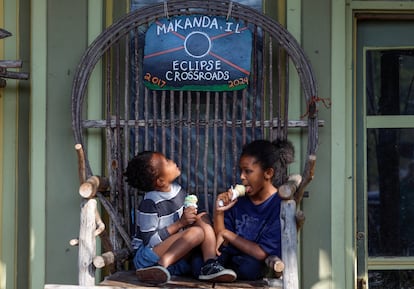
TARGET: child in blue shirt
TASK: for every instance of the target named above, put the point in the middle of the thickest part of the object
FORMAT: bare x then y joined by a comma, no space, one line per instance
248,228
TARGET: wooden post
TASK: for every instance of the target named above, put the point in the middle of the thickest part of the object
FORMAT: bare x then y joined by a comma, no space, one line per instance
289,244
87,243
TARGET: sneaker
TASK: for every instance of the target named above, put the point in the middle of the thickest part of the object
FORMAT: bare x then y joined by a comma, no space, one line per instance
215,272
153,275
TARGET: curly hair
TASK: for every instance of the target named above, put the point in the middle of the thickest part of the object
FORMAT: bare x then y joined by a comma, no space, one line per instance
276,155
141,173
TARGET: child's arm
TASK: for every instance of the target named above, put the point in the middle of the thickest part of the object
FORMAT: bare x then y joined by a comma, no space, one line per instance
189,217
219,226
246,246
148,222
224,235
218,215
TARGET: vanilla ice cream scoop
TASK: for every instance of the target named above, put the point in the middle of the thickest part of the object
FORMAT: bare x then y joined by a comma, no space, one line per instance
237,191
190,201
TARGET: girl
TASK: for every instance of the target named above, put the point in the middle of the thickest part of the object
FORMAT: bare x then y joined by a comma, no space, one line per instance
248,228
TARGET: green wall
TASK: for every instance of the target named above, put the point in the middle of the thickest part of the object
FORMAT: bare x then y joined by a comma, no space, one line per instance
316,242
9,138
23,155
66,41
14,196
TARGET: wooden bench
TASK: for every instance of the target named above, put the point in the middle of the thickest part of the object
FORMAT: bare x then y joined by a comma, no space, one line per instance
203,131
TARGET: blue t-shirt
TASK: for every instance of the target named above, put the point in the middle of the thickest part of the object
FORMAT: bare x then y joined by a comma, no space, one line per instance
257,223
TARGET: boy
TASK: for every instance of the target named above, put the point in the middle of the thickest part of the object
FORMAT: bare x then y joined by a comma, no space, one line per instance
168,232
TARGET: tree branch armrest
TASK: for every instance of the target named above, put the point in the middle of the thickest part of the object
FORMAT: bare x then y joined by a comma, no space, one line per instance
92,185
111,257
275,264
288,189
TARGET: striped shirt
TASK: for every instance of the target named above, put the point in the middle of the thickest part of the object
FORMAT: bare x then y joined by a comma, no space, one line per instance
156,212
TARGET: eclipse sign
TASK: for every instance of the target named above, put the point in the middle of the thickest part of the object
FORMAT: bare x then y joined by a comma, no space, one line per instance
197,52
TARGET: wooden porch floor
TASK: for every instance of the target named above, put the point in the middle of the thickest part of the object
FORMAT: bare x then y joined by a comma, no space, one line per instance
128,280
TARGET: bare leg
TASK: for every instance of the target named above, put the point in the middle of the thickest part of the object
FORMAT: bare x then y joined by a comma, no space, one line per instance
178,245
208,246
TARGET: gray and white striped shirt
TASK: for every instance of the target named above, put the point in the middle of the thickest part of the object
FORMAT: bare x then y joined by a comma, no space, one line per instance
156,212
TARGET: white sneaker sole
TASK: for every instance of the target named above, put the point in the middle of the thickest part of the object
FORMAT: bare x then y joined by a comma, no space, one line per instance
153,275
225,276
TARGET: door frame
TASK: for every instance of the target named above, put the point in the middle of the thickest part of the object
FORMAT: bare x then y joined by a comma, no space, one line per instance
381,9
343,233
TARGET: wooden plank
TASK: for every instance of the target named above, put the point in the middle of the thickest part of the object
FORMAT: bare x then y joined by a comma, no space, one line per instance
62,286
87,242
166,286
200,123
127,279
176,283
289,244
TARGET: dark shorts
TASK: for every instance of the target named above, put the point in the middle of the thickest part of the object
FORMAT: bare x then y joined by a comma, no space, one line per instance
245,266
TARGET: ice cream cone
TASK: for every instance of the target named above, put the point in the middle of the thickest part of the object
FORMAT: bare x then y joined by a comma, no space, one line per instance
191,201
237,191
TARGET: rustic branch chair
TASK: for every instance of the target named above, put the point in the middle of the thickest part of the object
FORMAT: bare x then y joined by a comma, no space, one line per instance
203,131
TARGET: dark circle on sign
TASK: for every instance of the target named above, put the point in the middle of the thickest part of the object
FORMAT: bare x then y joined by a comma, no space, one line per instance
197,44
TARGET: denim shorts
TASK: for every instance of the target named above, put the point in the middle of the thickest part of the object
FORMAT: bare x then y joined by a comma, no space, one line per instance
145,257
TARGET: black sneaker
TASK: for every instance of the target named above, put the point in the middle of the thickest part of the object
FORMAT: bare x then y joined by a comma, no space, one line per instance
153,275
215,272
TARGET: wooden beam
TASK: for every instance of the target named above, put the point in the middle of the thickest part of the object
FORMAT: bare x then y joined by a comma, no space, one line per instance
87,242
11,63
289,244
237,123
58,286
125,279
4,33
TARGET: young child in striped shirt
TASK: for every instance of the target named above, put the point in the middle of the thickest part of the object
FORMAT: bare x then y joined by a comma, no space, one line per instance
169,234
